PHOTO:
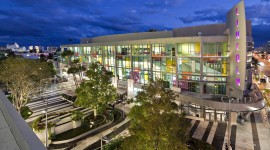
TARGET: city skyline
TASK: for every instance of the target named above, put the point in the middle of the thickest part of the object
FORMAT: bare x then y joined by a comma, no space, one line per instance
63,22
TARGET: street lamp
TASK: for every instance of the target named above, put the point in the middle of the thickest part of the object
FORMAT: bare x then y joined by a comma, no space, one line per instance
229,119
103,138
46,122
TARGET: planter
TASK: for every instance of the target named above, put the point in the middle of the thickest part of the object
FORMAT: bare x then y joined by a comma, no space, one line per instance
76,124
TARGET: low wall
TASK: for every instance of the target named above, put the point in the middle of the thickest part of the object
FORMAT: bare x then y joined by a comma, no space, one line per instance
63,128
223,106
41,134
63,120
82,135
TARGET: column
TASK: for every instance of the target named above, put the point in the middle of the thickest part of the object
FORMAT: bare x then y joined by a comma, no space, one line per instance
215,115
201,88
202,112
233,118
130,86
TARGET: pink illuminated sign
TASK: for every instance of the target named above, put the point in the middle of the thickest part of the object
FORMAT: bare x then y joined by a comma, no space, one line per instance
237,34
237,70
237,58
236,11
237,81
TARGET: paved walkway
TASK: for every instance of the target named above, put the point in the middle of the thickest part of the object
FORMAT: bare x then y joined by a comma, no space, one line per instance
55,103
254,135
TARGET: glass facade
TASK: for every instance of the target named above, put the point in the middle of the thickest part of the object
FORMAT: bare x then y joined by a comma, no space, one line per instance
196,67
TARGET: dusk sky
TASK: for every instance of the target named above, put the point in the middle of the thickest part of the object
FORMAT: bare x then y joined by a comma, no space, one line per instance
56,22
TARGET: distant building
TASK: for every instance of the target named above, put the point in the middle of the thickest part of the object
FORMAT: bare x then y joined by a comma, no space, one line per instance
264,48
3,48
52,49
31,48
13,47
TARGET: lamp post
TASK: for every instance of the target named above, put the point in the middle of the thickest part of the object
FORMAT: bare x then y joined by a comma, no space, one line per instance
46,123
229,119
101,144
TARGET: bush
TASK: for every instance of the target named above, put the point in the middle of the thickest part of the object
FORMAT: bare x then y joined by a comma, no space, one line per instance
25,112
114,145
52,136
36,124
77,115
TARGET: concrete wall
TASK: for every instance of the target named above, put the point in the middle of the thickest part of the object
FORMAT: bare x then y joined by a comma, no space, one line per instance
128,37
232,18
14,132
63,128
205,30
41,134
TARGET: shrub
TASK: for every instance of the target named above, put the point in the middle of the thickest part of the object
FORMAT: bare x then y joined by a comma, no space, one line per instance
36,124
52,136
77,115
25,112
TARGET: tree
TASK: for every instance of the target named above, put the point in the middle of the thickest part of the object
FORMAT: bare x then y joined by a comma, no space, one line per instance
42,57
23,77
96,92
50,56
67,54
76,67
155,123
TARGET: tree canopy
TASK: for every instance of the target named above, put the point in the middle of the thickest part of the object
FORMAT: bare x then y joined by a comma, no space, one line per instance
96,92
67,54
23,77
155,123
76,67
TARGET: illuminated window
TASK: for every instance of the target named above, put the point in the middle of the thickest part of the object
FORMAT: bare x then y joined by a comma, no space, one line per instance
236,11
237,81
236,23
237,34
237,70
237,46
237,58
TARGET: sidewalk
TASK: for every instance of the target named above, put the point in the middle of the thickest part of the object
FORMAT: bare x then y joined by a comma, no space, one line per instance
91,140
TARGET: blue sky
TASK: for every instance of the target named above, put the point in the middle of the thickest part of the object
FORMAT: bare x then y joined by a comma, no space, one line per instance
56,22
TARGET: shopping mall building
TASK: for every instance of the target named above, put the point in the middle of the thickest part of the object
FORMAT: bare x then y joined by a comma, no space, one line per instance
204,63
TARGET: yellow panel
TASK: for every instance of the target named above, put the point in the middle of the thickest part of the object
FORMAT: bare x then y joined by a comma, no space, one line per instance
197,48
146,77
224,69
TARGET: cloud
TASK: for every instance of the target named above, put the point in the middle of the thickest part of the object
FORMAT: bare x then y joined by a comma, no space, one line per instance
260,34
157,6
52,25
210,14
258,14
